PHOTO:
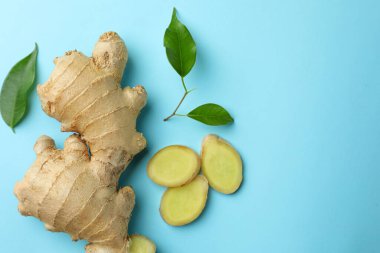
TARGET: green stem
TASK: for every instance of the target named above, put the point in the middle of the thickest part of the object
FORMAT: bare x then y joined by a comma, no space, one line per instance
180,102
183,84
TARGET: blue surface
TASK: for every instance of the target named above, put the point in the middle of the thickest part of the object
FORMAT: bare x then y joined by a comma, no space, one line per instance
301,79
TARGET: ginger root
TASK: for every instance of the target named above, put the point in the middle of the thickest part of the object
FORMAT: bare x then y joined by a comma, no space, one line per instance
182,205
141,244
221,164
75,190
174,166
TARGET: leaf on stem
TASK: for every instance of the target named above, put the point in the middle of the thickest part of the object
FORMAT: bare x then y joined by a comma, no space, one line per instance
180,46
16,88
211,114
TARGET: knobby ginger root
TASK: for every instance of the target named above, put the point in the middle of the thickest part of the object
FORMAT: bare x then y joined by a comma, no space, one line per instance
174,166
182,205
221,164
141,244
70,190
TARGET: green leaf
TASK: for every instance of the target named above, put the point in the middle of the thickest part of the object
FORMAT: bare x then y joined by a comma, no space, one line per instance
16,88
180,46
211,114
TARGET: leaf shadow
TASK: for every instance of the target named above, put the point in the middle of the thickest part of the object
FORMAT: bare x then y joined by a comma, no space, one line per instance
203,69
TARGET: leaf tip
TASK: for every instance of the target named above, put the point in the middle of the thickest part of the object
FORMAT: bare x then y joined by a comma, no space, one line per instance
35,50
174,14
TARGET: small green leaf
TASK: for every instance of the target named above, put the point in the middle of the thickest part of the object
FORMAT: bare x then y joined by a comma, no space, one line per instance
180,46
211,114
16,88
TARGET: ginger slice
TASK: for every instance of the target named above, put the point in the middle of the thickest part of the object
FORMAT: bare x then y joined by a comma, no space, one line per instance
174,166
182,205
141,244
221,164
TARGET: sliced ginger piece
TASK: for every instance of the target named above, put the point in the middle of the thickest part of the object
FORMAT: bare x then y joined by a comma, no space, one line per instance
141,244
182,205
221,164
174,166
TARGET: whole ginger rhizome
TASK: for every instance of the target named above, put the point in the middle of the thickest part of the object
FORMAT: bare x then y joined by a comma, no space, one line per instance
70,190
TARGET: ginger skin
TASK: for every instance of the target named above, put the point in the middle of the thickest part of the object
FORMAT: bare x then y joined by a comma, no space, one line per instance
70,190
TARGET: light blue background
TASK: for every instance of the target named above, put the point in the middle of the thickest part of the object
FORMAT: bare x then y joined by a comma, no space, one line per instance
301,79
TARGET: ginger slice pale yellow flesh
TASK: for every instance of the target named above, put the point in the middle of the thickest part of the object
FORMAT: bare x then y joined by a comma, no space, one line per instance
141,244
182,205
174,166
221,164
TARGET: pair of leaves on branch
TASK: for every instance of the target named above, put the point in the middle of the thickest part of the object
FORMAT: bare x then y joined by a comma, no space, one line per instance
16,88
181,52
